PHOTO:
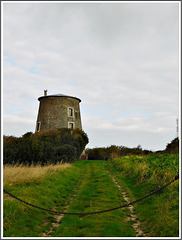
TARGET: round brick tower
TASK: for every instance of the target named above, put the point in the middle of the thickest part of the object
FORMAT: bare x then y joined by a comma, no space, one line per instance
58,111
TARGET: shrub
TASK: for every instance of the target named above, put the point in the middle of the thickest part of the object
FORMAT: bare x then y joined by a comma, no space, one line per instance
114,152
57,145
68,151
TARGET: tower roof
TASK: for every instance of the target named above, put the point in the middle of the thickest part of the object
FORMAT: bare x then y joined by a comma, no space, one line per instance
58,95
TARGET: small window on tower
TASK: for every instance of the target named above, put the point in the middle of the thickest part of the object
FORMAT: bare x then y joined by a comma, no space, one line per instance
70,112
38,126
70,125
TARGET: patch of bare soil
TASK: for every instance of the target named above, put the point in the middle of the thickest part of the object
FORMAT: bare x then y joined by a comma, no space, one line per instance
55,224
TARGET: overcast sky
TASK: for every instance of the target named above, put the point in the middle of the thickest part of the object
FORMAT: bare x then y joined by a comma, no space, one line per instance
120,58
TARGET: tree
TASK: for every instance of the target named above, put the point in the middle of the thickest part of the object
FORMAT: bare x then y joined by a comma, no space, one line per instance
51,146
173,146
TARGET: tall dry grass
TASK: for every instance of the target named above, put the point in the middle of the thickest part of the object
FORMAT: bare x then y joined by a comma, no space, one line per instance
17,174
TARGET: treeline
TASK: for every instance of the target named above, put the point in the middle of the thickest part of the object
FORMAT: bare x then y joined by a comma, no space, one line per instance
50,147
106,153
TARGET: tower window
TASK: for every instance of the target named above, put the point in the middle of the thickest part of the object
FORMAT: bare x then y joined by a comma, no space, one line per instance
70,112
38,126
70,125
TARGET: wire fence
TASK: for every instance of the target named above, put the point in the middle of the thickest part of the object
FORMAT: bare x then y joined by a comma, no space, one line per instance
97,212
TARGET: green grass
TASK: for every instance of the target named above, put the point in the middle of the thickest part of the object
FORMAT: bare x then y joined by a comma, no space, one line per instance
158,214
97,192
53,190
139,176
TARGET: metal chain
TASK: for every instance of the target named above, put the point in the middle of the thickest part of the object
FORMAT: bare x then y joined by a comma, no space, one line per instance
89,213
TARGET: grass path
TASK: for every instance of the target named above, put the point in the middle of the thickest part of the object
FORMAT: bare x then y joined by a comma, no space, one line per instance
97,192
85,186
159,214
133,216
58,218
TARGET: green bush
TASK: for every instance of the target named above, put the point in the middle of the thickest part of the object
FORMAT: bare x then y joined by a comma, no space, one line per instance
68,151
52,146
159,168
106,153
114,152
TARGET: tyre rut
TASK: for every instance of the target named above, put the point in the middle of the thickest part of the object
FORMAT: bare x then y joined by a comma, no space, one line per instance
58,218
133,217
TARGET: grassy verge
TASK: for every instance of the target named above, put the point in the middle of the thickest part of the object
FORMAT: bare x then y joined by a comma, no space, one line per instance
97,192
52,189
158,214
18,174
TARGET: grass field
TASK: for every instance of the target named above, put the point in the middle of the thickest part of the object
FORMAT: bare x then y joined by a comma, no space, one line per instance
87,186
52,189
20,174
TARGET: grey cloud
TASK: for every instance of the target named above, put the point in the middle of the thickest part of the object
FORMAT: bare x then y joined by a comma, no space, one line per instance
119,58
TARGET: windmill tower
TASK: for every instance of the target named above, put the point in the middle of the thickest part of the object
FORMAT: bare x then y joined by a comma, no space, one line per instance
58,111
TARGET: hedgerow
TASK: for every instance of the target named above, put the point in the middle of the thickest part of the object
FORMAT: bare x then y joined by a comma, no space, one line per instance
48,147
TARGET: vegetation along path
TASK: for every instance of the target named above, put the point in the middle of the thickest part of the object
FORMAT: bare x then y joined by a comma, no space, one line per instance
85,186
